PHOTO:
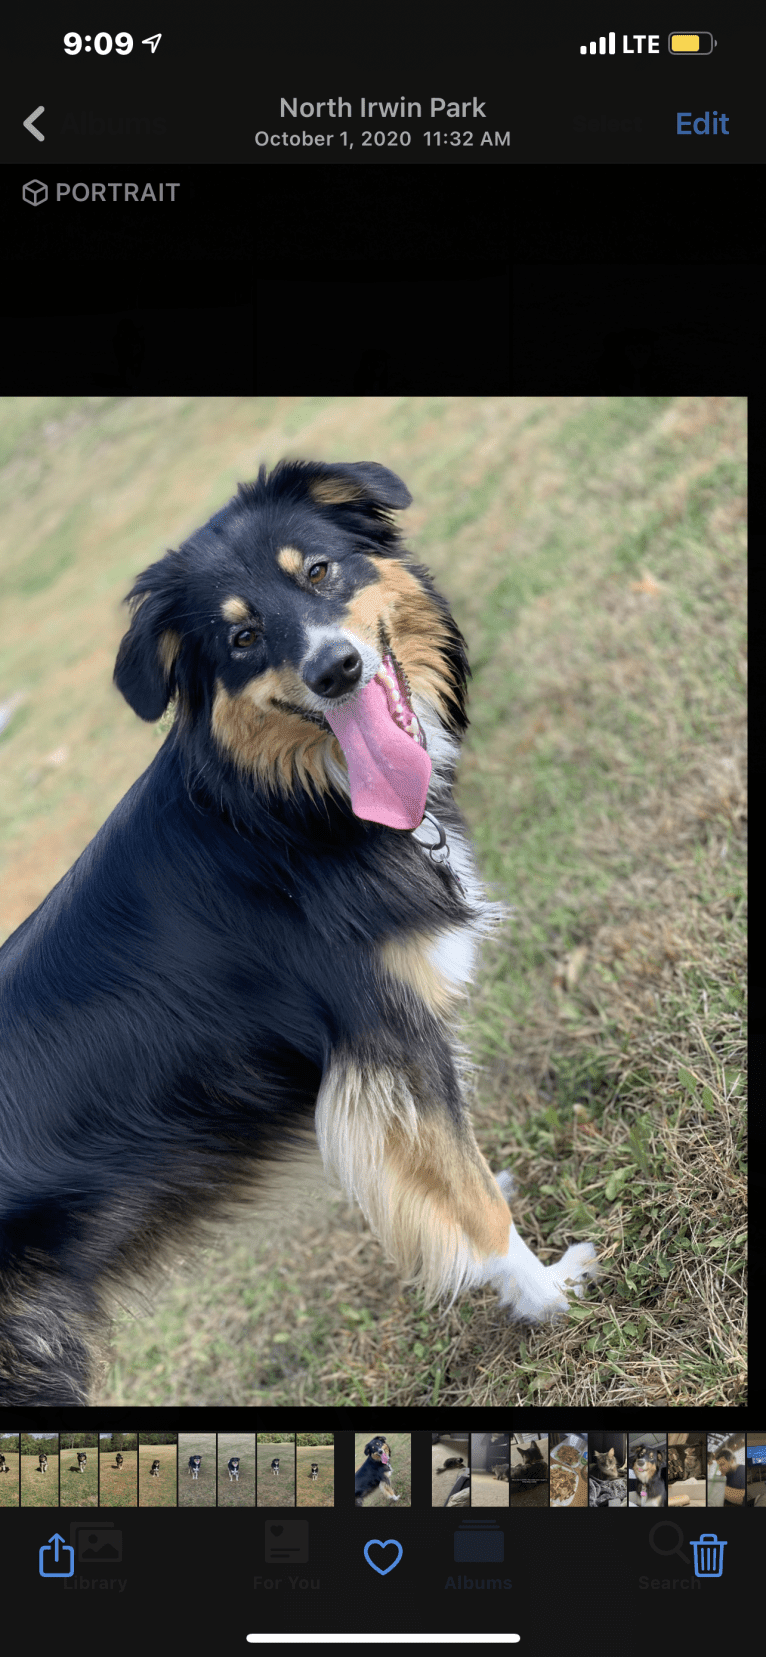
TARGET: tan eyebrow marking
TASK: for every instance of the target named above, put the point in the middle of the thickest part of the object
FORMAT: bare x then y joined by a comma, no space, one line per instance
290,561
235,609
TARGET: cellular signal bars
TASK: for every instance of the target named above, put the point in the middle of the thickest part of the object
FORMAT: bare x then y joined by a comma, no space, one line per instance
601,46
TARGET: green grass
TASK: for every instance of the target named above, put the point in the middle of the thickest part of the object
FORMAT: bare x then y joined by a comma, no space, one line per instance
9,1482
236,1492
160,1490
79,1489
39,1489
199,1492
276,1490
318,1492
118,1487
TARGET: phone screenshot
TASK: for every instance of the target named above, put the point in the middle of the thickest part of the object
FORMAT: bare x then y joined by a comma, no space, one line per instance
373,1067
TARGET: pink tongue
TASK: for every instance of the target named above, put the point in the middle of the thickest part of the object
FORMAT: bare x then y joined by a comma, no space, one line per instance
388,771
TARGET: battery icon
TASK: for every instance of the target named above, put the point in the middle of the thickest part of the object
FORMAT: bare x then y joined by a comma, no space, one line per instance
690,46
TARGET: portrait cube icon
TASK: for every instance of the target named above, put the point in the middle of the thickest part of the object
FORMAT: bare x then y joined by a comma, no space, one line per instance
35,192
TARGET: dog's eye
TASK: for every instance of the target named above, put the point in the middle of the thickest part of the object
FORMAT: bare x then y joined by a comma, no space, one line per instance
317,573
244,638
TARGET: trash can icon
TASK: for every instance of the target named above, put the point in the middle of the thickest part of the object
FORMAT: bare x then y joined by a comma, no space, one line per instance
708,1556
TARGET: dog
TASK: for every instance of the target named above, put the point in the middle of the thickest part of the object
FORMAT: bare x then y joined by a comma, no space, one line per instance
374,1473
268,939
154,1470
234,1467
119,1460
275,1467
43,1461
195,1462
4,1468
314,1474
81,1460
646,1465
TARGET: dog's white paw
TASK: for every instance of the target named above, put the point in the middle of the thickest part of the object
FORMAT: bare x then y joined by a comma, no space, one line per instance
507,1184
576,1267
536,1293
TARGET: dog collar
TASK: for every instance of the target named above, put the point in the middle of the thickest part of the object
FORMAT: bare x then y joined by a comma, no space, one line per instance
438,849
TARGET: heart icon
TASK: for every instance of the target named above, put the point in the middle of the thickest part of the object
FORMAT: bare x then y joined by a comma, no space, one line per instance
276,1530
382,1570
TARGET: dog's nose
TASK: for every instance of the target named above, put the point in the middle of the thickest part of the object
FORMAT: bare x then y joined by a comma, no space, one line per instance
333,670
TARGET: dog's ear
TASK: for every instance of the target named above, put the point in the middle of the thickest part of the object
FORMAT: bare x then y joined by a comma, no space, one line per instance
368,1448
145,669
345,483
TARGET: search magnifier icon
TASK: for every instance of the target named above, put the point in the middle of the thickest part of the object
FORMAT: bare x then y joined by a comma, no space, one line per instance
667,1524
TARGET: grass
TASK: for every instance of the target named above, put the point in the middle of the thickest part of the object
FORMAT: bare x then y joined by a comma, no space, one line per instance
159,1490
118,1487
39,1489
9,1483
236,1492
318,1492
276,1490
593,551
199,1492
79,1489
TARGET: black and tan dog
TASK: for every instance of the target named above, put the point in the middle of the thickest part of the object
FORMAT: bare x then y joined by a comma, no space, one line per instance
195,1463
314,1474
119,1460
646,1465
258,949
233,1465
81,1460
374,1473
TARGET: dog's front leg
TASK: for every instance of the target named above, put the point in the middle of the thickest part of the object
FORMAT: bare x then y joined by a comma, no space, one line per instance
402,1143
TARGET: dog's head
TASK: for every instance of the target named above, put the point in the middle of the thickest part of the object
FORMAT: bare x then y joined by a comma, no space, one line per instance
646,1463
306,648
378,1450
